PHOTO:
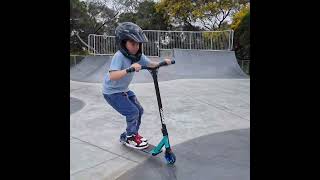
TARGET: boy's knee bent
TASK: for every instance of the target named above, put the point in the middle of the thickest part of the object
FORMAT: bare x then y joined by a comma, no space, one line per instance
141,110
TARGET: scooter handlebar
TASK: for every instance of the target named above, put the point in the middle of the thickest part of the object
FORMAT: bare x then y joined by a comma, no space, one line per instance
162,63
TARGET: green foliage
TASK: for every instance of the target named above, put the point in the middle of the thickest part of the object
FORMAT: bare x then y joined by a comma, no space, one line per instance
86,18
147,17
211,14
241,26
238,17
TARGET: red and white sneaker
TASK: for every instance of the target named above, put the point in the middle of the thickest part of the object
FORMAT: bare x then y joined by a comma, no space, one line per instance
135,142
142,138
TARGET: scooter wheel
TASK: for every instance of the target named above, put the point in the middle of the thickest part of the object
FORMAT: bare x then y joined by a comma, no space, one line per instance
170,157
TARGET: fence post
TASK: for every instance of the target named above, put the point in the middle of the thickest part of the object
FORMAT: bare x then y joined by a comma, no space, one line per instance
211,42
190,38
89,44
94,45
158,32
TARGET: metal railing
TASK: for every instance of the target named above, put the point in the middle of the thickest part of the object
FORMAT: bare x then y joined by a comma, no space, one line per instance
101,45
167,40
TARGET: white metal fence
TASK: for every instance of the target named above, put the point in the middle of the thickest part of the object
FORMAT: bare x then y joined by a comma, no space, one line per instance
101,45
166,40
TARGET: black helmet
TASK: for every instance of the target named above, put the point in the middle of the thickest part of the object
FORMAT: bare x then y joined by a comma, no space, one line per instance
130,31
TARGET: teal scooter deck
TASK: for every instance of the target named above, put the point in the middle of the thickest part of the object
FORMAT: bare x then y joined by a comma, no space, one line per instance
149,149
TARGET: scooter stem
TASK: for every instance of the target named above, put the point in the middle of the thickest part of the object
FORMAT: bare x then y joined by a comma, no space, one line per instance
154,73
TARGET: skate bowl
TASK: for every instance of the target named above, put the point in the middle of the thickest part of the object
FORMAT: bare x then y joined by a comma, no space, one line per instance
222,156
221,100
75,105
190,64
91,69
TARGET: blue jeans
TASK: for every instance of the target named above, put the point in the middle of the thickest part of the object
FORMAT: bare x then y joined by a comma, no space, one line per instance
127,104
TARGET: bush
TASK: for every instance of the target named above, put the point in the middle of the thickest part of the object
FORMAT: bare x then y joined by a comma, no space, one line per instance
241,27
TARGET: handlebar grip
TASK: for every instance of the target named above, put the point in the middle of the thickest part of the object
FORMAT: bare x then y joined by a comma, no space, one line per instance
144,67
131,69
162,63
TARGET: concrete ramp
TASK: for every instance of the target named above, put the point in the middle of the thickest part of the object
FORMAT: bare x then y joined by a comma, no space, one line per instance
207,64
221,156
91,69
190,64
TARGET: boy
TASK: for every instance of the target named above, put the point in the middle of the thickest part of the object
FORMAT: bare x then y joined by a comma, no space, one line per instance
129,38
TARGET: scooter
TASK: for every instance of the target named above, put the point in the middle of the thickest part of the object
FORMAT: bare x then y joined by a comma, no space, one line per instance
151,149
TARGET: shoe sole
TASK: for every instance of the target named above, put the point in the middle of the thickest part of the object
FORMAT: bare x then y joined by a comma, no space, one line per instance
134,147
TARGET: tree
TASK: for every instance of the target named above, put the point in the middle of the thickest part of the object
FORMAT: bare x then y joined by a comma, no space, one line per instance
211,14
126,6
241,27
179,12
79,20
89,17
127,17
147,17
104,17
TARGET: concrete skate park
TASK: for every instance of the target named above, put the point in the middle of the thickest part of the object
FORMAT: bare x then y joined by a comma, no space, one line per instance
206,105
